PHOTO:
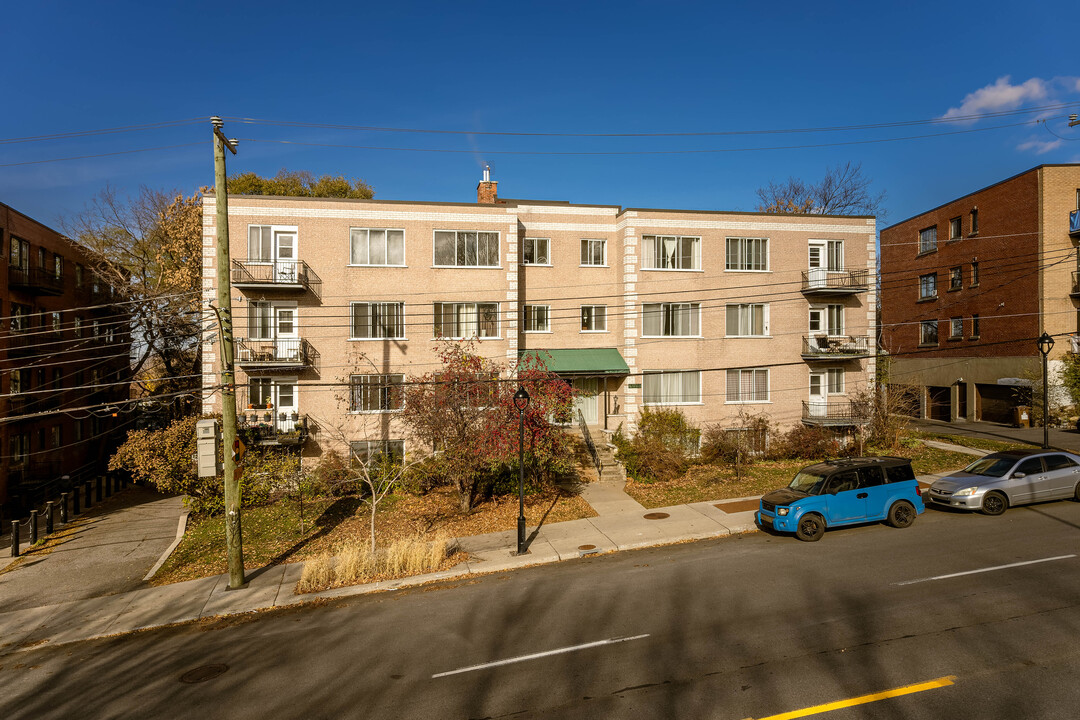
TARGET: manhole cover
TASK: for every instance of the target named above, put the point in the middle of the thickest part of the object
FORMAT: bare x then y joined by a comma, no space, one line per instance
655,516
204,673
586,547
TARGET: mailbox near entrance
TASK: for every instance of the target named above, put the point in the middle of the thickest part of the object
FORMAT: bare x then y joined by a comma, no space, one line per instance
207,440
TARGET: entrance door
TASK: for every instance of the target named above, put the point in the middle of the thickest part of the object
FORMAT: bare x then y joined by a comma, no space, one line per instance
585,396
816,277
285,257
286,340
818,401
285,404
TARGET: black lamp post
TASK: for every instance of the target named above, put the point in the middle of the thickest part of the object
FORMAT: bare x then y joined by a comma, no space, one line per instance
521,401
1046,344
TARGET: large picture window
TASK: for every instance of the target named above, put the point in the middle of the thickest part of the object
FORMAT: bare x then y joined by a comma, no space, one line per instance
747,254
749,320
670,319
594,318
370,246
466,248
928,239
671,388
537,318
748,385
593,252
375,393
670,252
378,321
465,320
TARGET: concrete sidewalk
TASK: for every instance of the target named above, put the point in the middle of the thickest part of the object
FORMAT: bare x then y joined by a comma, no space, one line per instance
621,524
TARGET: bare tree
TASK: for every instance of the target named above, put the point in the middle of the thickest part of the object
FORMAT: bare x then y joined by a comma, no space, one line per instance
843,191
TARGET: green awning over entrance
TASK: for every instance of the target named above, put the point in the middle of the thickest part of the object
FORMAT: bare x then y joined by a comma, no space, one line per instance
582,361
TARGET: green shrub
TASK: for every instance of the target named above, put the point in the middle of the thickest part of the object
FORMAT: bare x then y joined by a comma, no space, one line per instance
802,441
661,449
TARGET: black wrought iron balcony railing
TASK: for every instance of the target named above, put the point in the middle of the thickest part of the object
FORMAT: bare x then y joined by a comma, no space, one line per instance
280,353
837,347
1074,223
276,274
837,413
35,280
820,280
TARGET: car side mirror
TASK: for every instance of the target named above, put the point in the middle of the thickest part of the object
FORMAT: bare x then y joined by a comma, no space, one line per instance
1018,475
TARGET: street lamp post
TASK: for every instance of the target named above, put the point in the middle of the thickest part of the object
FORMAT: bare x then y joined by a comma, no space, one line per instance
521,401
1046,344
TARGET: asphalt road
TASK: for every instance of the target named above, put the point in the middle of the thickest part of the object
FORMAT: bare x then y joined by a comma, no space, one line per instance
745,627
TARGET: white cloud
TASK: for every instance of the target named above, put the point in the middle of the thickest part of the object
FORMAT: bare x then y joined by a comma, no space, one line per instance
1002,95
1039,147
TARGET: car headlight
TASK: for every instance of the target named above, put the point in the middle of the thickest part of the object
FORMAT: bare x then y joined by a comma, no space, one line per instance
966,491
782,511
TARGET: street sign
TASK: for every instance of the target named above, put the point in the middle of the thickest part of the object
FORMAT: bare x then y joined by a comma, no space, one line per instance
239,448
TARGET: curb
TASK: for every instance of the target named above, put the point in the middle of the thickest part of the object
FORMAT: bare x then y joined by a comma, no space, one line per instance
181,528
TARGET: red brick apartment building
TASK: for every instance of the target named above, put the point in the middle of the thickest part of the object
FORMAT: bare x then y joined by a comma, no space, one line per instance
65,353
969,286
716,313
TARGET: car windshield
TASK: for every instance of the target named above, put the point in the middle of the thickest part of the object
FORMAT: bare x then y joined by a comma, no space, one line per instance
991,466
808,482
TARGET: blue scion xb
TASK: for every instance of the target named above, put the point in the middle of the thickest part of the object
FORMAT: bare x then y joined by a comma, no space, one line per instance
843,492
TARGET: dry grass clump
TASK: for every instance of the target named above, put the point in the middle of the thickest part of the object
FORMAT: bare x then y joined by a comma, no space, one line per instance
355,563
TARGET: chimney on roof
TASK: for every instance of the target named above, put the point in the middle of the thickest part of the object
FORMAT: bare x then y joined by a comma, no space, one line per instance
486,189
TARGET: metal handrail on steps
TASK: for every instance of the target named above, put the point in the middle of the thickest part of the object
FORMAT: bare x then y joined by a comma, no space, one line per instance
589,444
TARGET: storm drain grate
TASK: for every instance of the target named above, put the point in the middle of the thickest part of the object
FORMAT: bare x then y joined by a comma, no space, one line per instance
204,673
655,516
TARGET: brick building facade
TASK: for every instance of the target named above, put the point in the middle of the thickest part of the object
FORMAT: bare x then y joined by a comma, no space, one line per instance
66,361
716,313
968,287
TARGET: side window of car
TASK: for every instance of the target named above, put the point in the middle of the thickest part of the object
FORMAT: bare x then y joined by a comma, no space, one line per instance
899,473
869,477
1058,462
842,482
1031,466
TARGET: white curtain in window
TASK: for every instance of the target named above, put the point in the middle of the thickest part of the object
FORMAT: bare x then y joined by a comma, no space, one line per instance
395,247
260,243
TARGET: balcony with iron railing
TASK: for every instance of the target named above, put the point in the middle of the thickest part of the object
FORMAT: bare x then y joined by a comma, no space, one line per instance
830,282
838,413
276,354
1074,224
275,275
263,424
836,347
35,280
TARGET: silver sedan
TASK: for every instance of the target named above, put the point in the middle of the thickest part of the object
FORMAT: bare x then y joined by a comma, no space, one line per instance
1000,480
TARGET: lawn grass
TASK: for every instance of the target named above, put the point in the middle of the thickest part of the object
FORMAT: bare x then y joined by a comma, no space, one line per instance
703,483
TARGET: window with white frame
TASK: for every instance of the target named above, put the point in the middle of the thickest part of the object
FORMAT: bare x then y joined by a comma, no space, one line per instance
928,239
670,252
466,248
834,381
671,387
748,385
375,393
670,319
956,327
928,286
537,318
747,254
536,251
834,255
594,318
260,243
593,251
372,452
748,320
370,321
376,246
465,320
928,332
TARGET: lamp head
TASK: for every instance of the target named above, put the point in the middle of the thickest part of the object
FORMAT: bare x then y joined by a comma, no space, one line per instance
521,398
1046,343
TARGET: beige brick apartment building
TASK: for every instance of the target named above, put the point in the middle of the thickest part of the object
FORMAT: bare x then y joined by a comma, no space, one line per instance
716,313
969,286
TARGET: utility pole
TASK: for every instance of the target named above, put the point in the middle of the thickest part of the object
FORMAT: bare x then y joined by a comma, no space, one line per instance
1073,122
233,539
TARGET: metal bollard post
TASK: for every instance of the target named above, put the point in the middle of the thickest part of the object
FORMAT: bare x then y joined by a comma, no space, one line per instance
33,527
63,508
100,481
49,518
89,503
14,538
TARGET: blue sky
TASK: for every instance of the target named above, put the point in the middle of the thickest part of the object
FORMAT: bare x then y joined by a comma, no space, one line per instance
578,68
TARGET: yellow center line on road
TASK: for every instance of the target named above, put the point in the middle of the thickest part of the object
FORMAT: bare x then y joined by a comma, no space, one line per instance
863,699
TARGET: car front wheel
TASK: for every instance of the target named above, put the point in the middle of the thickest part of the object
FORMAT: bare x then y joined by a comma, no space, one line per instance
811,527
994,504
901,514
